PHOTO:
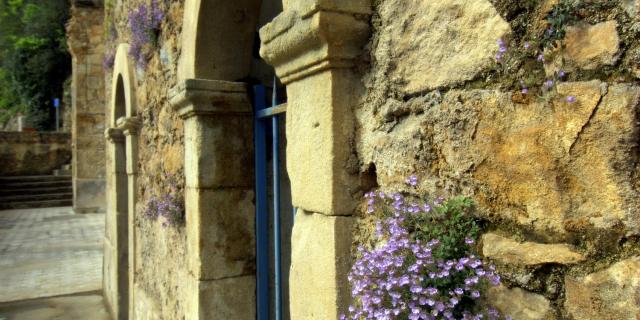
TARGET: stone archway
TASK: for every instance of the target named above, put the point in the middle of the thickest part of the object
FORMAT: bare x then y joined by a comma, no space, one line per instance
217,41
119,238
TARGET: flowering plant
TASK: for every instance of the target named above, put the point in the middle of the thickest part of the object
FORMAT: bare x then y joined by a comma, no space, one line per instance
169,207
145,26
421,263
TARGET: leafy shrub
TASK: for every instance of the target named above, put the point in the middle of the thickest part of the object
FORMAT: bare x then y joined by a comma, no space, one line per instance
421,264
562,15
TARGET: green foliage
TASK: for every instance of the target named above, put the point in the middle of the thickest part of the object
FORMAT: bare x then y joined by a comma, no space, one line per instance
34,61
562,15
451,223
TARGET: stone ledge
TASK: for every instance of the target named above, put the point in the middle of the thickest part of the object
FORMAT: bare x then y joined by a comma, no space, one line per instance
209,97
114,135
129,125
509,251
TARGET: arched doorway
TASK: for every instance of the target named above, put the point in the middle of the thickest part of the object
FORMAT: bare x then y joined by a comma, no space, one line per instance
122,135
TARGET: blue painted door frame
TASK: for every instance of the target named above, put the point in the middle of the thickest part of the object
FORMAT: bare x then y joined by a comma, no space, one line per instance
265,115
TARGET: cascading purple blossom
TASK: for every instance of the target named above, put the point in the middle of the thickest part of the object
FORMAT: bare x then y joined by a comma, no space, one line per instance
145,24
401,278
169,207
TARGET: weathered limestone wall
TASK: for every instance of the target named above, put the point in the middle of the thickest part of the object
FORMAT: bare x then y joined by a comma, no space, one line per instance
86,42
160,286
33,153
557,181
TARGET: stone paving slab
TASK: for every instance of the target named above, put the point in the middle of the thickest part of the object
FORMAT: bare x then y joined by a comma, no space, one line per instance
76,307
49,252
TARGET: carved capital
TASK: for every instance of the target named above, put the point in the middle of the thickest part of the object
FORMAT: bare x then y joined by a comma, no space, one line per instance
114,135
130,126
200,97
315,36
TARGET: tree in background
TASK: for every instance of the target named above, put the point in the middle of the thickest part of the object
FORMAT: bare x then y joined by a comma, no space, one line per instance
34,60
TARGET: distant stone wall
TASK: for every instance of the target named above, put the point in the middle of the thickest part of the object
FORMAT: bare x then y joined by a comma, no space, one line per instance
32,153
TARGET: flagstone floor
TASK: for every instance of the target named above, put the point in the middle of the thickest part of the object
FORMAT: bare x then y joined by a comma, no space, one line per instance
46,253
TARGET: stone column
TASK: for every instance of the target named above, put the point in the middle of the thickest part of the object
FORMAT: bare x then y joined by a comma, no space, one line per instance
85,39
313,45
130,127
116,268
219,199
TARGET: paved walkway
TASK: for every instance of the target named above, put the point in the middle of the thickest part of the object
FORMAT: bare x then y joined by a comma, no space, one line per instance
49,252
76,307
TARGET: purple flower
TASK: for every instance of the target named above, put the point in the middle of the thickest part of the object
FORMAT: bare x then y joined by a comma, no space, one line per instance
412,180
548,83
571,99
540,57
525,90
561,74
400,276
144,23
527,45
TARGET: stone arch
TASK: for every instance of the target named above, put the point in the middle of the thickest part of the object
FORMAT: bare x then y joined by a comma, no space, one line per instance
123,98
217,39
123,131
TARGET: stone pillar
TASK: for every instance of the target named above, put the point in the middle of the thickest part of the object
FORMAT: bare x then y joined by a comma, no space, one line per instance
85,39
130,127
219,199
313,45
116,242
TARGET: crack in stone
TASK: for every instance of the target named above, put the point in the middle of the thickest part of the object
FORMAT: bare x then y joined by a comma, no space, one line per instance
586,124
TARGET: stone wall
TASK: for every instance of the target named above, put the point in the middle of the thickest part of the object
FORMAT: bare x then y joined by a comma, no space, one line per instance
161,285
555,179
85,39
32,153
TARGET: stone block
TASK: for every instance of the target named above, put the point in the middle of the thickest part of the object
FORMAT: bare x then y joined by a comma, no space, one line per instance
320,261
220,232
89,195
591,46
429,57
520,304
230,298
110,276
145,307
89,157
132,152
632,7
89,124
219,151
507,251
558,169
354,6
603,194
320,143
612,293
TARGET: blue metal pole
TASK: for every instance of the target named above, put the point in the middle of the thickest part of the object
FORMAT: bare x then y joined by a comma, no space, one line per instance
262,211
276,207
